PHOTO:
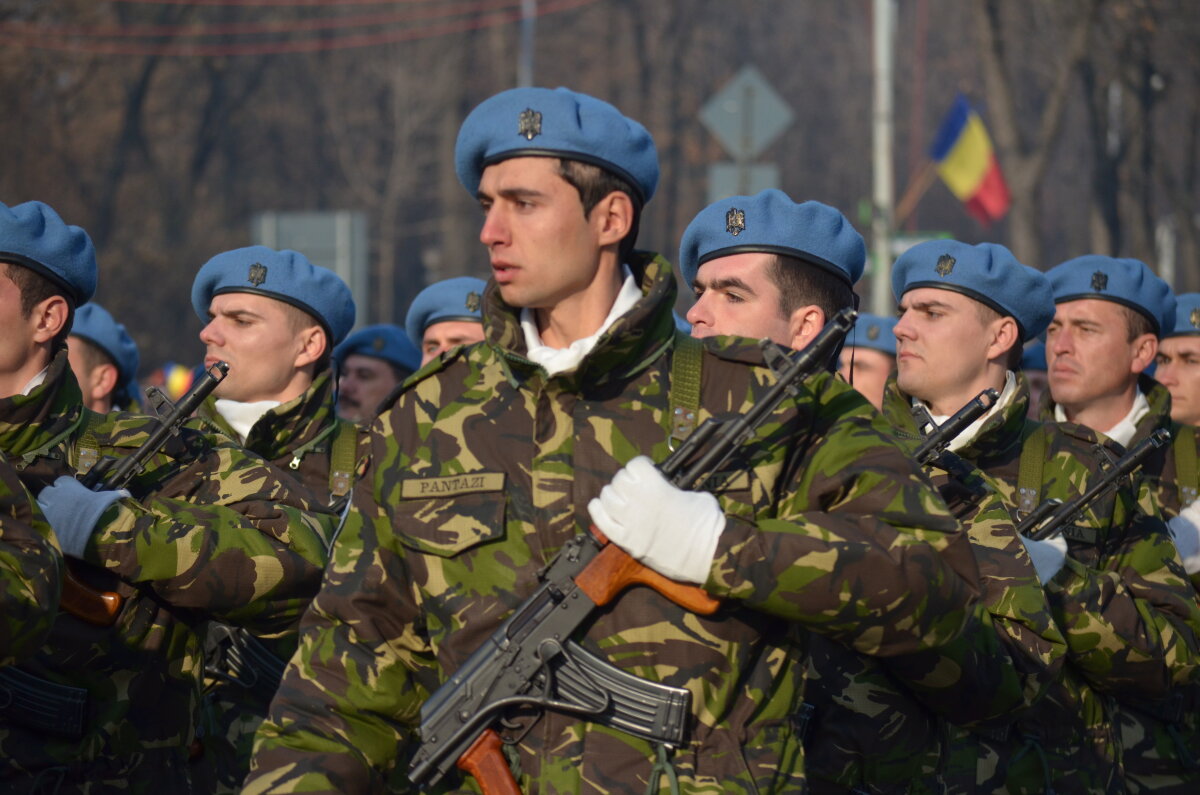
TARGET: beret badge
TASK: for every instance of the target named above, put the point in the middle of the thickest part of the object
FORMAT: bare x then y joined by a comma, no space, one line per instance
1099,281
472,302
529,124
735,221
1195,318
945,265
257,274
378,343
872,332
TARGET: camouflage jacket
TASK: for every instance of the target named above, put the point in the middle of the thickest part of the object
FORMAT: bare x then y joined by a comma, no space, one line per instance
1118,600
880,725
210,531
830,528
30,570
298,437
1161,737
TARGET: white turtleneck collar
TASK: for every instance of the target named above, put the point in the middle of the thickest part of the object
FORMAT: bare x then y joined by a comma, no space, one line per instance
561,360
36,381
971,431
1124,431
242,416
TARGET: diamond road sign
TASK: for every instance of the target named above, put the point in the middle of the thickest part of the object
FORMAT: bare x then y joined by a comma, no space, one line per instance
747,115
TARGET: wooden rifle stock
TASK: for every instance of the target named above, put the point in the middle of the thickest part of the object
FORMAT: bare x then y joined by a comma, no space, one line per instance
614,570
99,608
94,606
485,761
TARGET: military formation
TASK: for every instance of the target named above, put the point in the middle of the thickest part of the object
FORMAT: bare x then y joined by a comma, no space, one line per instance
545,537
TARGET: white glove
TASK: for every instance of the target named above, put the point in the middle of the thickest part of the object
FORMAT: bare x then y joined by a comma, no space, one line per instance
1185,529
1048,556
670,530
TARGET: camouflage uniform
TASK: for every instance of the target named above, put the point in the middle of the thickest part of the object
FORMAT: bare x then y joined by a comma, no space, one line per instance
299,437
211,531
30,570
899,724
1160,738
1120,602
830,527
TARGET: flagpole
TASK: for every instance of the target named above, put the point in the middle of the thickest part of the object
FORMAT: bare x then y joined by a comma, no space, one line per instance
921,182
882,140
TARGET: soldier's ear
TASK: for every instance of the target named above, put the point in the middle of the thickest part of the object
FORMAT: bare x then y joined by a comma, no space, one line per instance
1145,348
804,325
1005,334
613,217
50,318
312,346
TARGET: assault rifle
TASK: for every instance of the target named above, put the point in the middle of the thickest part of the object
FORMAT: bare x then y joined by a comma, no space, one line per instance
941,435
1056,513
531,661
78,598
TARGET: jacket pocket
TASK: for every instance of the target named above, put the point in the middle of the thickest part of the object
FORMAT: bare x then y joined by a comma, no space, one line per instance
469,512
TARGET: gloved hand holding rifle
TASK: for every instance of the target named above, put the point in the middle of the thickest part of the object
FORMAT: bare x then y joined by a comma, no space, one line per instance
658,527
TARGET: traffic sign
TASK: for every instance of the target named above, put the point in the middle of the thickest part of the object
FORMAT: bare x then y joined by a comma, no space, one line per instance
747,115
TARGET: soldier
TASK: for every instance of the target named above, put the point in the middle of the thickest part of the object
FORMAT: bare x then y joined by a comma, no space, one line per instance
109,702
964,312
878,724
104,359
31,569
1110,313
869,358
275,318
446,314
371,363
569,389
1178,360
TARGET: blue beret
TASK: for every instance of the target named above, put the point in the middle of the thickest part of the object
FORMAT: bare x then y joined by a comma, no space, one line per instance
563,123
1187,316
33,235
286,276
382,341
1034,356
988,273
452,299
1128,282
94,324
874,332
772,223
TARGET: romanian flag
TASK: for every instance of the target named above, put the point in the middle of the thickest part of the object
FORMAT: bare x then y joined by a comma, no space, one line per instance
967,163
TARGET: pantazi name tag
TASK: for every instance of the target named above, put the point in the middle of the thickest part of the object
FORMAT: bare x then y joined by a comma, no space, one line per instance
449,486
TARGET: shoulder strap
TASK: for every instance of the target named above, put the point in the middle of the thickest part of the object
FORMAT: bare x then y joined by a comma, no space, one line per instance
84,451
1032,466
686,365
341,458
1185,464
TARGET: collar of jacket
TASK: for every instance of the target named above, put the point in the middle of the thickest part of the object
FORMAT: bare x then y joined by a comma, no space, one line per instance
1159,415
30,422
1003,430
630,344
283,429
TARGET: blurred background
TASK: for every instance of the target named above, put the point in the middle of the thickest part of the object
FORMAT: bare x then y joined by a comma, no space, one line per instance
175,129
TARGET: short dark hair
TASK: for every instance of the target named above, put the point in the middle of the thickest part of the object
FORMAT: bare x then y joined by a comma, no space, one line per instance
802,283
1136,324
36,288
593,184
